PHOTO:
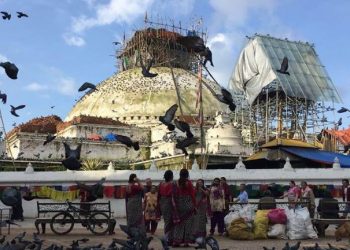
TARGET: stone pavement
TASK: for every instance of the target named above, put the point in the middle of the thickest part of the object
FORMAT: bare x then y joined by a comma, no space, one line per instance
225,243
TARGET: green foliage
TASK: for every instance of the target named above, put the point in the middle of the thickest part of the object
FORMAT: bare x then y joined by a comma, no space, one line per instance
140,167
92,164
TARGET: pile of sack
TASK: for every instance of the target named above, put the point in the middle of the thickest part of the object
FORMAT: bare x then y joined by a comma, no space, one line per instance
274,223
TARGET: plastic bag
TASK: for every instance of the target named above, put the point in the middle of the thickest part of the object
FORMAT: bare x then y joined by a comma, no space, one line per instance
277,216
299,224
239,230
277,231
247,213
231,217
261,224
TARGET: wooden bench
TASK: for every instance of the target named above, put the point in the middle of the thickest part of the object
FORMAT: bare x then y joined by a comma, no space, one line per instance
47,210
321,221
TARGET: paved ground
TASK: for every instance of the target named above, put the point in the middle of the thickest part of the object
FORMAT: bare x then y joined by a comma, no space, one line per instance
225,243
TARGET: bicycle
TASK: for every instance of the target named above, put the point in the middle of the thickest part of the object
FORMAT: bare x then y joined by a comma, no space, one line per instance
63,222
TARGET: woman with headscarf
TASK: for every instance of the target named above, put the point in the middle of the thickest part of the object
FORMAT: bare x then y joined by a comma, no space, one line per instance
202,202
165,205
134,193
184,209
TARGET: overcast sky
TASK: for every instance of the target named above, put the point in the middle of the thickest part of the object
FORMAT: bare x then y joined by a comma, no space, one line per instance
64,43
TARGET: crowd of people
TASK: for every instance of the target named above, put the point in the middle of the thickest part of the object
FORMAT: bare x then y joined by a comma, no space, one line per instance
185,208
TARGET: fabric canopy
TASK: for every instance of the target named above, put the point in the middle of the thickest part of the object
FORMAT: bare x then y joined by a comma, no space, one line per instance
110,137
319,155
342,135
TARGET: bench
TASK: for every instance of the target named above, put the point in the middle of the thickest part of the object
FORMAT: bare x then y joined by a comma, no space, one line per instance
47,210
323,215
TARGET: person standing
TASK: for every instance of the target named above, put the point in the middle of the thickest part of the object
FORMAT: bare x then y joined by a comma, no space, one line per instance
346,196
308,195
217,206
148,186
150,205
243,195
200,218
134,193
227,192
292,194
183,216
165,204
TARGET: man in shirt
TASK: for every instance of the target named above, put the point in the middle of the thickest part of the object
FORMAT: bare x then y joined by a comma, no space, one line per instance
243,195
346,195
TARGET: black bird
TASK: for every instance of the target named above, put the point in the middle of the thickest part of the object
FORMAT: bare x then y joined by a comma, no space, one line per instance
14,124
95,191
37,155
184,127
88,152
86,86
11,69
21,14
340,122
72,157
116,43
127,141
212,242
343,109
13,109
284,67
225,97
145,71
52,107
3,97
6,15
183,144
208,56
49,156
168,117
49,138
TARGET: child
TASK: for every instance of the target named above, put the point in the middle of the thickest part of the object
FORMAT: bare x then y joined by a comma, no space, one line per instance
150,206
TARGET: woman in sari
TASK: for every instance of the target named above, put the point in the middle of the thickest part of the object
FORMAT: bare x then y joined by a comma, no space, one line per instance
134,213
184,209
165,206
200,218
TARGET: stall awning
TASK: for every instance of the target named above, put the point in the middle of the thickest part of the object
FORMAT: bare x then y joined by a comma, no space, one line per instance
342,135
319,155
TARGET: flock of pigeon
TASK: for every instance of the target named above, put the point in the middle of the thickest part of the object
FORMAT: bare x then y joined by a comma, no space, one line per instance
6,15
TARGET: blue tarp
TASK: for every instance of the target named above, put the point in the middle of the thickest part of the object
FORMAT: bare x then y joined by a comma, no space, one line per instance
110,137
319,155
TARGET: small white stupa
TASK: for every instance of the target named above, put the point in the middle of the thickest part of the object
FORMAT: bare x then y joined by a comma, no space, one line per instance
195,166
153,166
240,165
110,167
287,166
336,164
29,169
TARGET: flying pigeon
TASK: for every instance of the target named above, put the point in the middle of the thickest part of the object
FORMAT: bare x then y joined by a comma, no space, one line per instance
116,43
225,97
86,86
183,144
13,109
72,157
14,124
340,122
343,109
52,107
127,141
95,191
49,138
284,67
21,14
3,97
168,117
212,242
6,15
11,69
208,56
184,127
145,71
